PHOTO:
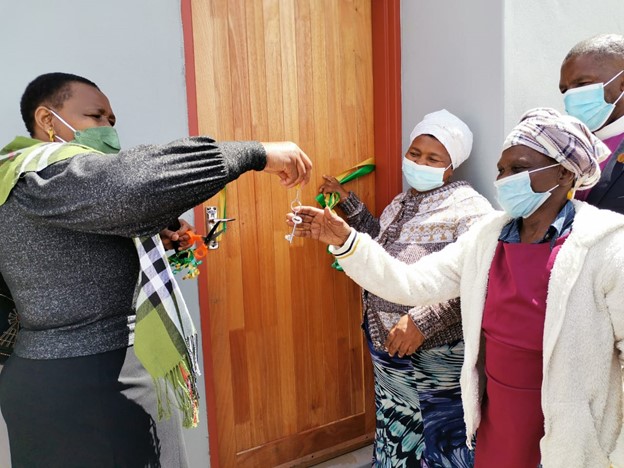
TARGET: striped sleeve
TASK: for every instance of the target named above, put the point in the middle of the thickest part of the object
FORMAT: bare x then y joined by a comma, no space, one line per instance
347,248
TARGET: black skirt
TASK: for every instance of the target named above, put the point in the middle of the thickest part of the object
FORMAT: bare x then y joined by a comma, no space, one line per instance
92,411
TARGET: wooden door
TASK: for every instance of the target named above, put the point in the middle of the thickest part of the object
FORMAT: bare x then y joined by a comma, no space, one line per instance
288,374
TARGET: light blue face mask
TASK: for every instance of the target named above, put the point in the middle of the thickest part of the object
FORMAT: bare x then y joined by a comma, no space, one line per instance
587,103
517,198
423,178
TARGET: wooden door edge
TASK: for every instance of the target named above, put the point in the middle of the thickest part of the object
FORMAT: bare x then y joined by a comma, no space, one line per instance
189,66
331,452
387,108
186,14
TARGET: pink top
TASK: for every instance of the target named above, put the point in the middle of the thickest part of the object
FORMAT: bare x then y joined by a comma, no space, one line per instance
512,422
613,143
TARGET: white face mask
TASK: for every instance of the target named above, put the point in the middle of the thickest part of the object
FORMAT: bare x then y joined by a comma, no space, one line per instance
423,178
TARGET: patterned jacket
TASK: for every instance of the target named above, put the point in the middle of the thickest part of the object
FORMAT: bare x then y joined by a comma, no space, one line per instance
413,225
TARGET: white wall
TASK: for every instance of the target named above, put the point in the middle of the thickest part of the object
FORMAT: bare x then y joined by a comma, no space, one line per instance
538,35
489,62
452,57
133,50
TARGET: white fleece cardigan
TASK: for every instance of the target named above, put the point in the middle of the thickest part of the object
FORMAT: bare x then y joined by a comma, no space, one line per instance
583,331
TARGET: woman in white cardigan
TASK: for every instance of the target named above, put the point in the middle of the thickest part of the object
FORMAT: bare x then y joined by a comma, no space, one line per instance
542,291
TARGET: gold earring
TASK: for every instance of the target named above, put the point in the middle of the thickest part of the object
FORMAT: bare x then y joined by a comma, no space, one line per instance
570,194
51,133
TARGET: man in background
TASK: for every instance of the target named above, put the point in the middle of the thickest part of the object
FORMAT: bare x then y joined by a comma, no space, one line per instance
592,84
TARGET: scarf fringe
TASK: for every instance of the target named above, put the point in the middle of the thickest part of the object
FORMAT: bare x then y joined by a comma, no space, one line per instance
182,381
192,345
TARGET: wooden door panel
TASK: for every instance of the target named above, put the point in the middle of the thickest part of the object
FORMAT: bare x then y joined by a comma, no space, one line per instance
288,367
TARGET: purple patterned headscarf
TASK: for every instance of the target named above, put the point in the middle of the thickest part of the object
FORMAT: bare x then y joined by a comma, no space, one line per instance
564,139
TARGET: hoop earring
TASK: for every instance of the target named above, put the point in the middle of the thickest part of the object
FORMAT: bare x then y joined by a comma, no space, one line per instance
51,133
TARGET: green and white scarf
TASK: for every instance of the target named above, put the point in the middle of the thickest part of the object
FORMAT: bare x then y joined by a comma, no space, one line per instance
165,337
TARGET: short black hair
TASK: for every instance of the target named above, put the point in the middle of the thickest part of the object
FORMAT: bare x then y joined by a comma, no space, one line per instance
52,89
602,46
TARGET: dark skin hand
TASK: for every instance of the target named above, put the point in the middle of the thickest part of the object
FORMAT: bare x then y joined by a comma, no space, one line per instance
332,185
286,160
180,235
521,158
320,224
404,338
586,69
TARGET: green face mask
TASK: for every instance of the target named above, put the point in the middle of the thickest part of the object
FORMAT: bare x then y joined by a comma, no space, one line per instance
103,139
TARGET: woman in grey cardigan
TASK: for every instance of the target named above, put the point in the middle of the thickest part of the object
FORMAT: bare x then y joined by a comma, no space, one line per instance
77,217
417,395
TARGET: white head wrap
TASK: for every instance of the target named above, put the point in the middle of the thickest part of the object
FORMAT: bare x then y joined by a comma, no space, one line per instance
449,130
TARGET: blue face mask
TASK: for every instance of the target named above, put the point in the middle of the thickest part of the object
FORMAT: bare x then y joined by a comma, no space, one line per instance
423,178
587,103
517,198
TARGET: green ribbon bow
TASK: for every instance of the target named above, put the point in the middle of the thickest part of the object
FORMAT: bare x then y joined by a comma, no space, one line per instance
330,200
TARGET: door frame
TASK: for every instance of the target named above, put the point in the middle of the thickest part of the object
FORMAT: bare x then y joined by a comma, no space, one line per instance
387,112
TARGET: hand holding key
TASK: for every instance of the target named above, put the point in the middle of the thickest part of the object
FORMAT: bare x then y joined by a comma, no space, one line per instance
296,220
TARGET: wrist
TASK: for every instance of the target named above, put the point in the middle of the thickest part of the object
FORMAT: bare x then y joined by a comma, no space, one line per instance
346,246
243,156
424,325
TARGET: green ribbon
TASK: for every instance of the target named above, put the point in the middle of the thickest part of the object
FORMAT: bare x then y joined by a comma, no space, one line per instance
331,199
357,171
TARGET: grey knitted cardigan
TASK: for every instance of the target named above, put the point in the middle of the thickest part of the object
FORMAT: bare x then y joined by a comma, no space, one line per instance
65,240
414,225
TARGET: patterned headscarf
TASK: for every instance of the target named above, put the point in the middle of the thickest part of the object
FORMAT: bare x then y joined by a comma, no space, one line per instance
563,138
449,130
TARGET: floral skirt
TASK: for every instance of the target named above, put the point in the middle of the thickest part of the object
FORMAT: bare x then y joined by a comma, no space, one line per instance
420,420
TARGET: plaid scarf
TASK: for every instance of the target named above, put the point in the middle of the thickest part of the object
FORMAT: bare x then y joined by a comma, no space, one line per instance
165,338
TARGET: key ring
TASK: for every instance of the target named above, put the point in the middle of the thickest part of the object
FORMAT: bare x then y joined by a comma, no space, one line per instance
295,206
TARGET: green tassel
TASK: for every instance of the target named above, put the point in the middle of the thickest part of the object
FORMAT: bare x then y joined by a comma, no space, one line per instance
177,381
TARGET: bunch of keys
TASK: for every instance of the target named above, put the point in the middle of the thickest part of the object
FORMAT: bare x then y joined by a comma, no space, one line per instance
295,206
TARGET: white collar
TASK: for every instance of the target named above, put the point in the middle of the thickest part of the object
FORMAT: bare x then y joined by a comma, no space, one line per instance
611,130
